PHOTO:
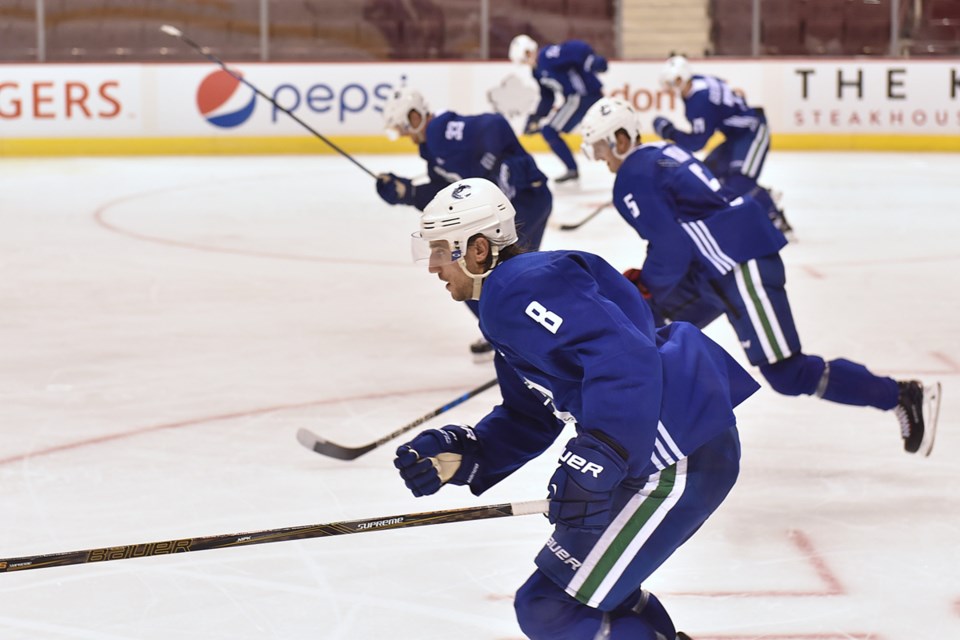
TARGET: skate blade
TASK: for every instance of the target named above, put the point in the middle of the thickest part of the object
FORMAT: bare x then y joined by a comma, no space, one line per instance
931,414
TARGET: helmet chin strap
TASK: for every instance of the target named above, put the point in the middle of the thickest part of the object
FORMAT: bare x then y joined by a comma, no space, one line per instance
613,149
423,123
478,278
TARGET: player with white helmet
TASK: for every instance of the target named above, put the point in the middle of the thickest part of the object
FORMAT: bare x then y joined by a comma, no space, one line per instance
474,206
656,448
403,108
523,50
568,71
610,117
712,106
709,254
675,74
457,147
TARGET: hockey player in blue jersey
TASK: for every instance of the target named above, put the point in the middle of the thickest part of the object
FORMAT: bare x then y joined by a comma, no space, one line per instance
708,256
712,106
656,448
457,147
568,70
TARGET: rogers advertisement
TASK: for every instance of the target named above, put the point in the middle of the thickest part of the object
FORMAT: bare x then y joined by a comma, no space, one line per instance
70,101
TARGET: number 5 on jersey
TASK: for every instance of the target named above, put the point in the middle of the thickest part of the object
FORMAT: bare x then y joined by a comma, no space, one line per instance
632,205
546,319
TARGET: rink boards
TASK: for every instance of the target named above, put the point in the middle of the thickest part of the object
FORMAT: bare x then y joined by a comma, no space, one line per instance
120,109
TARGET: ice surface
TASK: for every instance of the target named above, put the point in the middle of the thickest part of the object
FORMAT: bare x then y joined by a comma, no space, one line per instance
167,324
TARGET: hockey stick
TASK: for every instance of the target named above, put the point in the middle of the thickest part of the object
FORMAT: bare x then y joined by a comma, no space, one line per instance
176,33
324,447
231,540
593,214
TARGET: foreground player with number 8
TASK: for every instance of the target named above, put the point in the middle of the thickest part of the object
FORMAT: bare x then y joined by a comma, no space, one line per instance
656,448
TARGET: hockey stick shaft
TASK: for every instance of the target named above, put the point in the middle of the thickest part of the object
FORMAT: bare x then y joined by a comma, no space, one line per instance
433,414
232,540
593,214
173,31
324,447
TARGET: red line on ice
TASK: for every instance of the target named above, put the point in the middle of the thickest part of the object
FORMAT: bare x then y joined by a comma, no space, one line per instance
206,419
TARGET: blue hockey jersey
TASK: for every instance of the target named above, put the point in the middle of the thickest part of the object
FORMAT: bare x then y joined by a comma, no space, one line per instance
713,106
576,344
566,69
481,146
673,202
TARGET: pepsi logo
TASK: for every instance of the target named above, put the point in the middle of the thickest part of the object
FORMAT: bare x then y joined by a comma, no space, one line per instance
224,100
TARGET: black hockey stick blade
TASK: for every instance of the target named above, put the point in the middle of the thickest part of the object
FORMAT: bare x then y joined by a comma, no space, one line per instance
232,540
170,30
593,214
324,447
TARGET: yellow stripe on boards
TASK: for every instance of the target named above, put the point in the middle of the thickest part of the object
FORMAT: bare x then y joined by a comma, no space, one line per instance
869,142
376,144
221,145
845,142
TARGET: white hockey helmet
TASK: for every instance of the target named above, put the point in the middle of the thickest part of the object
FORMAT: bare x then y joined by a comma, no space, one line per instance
520,47
603,120
674,69
465,208
458,212
397,108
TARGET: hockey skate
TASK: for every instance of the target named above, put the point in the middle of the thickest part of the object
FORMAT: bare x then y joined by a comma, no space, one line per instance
918,410
775,194
482,351
779,220
571,174
682,636
777,217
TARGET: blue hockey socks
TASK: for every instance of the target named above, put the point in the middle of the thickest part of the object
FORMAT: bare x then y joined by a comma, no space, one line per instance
559,147
851,383
839,381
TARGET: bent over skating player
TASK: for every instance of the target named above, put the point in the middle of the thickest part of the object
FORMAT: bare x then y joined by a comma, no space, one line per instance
708,256
712,106
567,70
656,448
457,147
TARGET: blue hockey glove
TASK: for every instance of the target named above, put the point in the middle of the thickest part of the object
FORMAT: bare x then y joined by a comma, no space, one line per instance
595,64
394,189
581,489
664,128
437,457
